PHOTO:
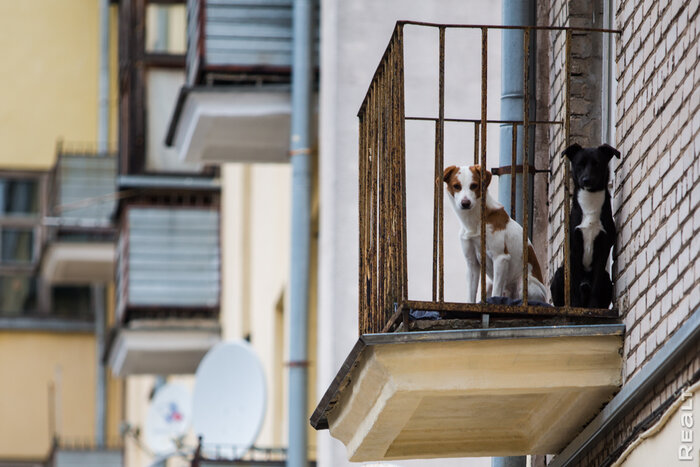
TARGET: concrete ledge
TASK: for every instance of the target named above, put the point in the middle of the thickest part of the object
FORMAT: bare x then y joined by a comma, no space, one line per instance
161,348
487,392
79,262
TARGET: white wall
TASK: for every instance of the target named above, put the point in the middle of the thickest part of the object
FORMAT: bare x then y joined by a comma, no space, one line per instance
354,35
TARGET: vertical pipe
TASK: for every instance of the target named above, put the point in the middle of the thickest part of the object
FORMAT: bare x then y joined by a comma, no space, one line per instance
301,230
515,105
98,305
514,13
103,83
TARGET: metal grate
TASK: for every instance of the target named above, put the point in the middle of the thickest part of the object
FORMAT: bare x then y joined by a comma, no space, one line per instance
383,277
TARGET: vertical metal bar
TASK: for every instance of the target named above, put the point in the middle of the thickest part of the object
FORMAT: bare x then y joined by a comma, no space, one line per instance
526,159
381,178
513,163
567,201
476,143
389,194
402,149
373,204
441,163
362,210
484,95
436,214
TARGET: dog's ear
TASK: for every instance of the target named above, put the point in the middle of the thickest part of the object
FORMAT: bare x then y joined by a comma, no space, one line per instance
571,150
608,151
449,172
476,170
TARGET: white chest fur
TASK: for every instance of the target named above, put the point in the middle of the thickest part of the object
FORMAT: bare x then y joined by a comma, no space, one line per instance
591,203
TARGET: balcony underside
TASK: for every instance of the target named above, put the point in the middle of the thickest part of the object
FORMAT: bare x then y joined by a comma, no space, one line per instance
84,262
229,124
467,393
161,346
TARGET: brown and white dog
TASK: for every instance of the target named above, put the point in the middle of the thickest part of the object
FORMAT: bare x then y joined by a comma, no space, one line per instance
504,238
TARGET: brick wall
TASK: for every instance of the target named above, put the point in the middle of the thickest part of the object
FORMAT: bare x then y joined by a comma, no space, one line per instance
585,94
657,182
656,185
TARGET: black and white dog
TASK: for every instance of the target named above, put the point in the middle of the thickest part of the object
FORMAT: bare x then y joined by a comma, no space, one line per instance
591,227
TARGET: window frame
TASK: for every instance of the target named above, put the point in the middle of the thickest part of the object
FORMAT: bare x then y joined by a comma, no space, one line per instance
33,222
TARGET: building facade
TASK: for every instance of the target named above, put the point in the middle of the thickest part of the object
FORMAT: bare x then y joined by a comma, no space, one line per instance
56,286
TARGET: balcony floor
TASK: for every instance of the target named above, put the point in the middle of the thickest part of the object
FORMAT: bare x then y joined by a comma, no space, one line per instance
471,392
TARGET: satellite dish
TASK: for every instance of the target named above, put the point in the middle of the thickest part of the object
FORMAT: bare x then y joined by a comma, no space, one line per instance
168,418
229,399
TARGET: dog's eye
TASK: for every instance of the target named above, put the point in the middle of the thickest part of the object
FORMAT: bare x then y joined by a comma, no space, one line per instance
473,186
457,186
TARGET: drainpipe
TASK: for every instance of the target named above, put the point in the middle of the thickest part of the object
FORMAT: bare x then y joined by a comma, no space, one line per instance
103,84
98,305
98,290
301,220
515,13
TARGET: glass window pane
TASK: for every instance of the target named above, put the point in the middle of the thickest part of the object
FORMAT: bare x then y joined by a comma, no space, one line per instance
19,196
71,301
166,29
17,295
16,245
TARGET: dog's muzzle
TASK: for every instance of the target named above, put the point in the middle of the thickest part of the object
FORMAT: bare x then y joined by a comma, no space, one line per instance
466,204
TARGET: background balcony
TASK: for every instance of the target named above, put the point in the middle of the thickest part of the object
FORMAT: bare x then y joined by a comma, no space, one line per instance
168,288
236,104
81,203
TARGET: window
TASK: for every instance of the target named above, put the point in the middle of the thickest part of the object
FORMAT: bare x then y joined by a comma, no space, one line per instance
20,219
18,295
166,29
19,196
69,301
21,211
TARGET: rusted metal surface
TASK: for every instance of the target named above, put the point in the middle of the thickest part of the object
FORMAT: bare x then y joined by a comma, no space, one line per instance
567,176
484,117
526,162
383,252
452,307
513,165
383,275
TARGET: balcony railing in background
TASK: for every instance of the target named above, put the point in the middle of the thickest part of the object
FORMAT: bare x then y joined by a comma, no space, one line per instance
383,276
168,262
238,36
82,193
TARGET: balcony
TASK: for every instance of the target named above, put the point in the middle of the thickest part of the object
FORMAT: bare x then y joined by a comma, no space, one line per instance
81,203
432,376
236,104
168,285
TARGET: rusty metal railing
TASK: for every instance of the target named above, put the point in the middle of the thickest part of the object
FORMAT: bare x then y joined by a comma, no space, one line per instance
383,270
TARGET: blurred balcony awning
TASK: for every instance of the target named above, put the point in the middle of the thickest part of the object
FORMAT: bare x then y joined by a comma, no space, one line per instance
161,346
214,125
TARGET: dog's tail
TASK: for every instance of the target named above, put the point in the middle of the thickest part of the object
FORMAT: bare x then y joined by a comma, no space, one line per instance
536,291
